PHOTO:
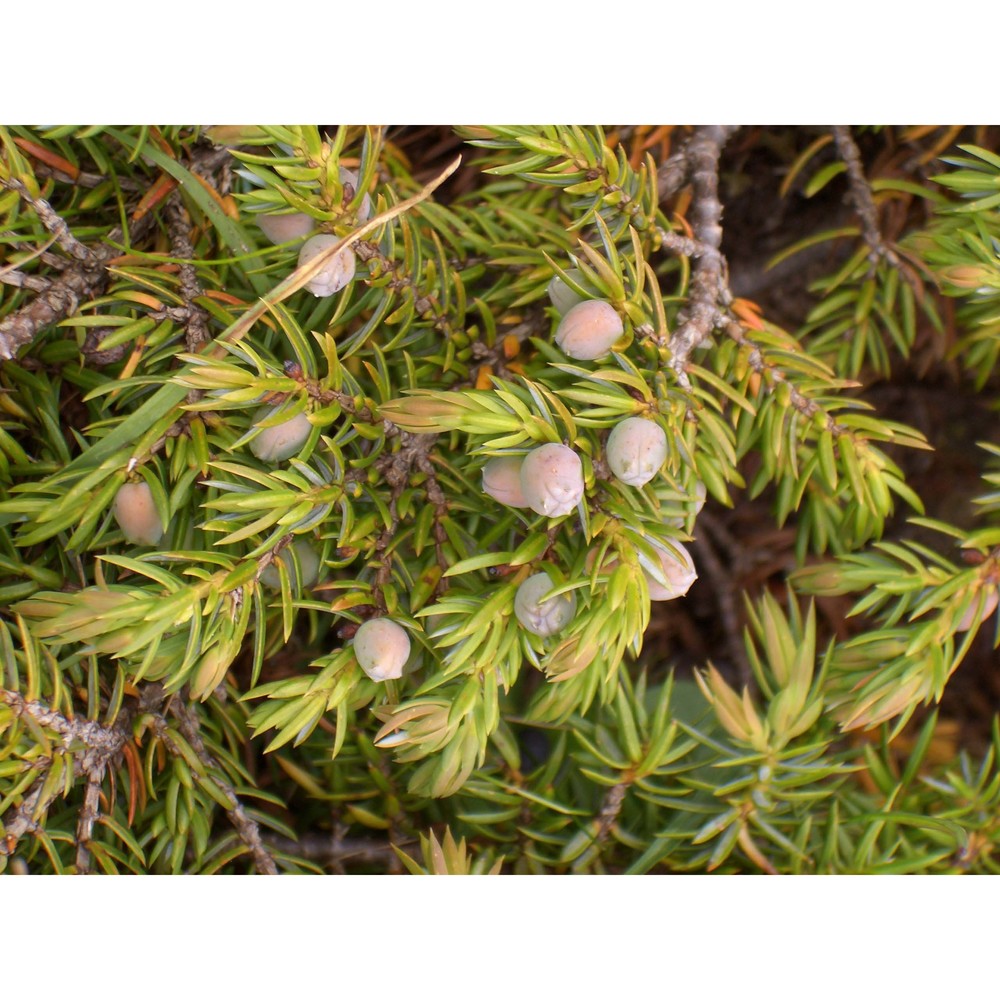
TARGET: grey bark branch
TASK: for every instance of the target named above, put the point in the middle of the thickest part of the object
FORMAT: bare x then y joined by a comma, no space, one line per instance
671,175
708,285
21,822
53,222
87,818
102,747
246,826
611,806
92,735
683,245
861,196
64,294
196,322
710,297
33,282
88,277
333,849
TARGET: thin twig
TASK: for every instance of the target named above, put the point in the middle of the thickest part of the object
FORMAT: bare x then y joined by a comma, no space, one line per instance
103,746
346,403
92,735
672,175
414,453
88,277
179,228
861,196
334,849
246,826
426,305
21,822
86,819
53,222
683,245
33,282
611,806
708,286
65,294
773,376
83,178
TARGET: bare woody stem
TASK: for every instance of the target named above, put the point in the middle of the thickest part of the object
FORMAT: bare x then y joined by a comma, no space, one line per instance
88,816
773,376
64,294
710,298
396,469
102,746
94,736
683,245
672,174
33,282
179,227
426,305
333,849
246,826
861,196
84,279
611,806
708,285
54,223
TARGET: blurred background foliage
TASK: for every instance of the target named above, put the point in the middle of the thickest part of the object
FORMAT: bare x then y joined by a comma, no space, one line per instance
820,356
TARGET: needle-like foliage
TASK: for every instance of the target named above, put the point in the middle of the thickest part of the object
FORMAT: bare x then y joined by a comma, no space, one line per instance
180,687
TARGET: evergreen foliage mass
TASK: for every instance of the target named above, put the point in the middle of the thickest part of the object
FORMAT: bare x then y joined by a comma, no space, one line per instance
219,460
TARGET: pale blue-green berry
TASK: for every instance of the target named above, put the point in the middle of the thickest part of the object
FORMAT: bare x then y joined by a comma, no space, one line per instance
636,450
589,330
284,227
561,295
308,566
337,272
502,480
275,444
552,480
672,575
542,617
136,514
382,648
